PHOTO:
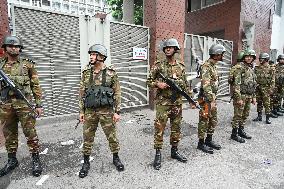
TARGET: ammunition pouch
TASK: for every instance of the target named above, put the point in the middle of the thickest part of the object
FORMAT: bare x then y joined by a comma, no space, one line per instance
248,88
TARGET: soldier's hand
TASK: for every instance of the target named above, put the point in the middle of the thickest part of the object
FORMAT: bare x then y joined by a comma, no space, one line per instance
82,118
116,117
240,102
193,106
162,85
213,104
38,111
253,101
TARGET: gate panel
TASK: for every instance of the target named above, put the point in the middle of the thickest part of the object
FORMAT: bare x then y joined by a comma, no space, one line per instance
52,41
132,73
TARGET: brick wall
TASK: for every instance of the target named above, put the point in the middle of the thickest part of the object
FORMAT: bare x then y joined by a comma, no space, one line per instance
4,29
224,16
165,18
258,12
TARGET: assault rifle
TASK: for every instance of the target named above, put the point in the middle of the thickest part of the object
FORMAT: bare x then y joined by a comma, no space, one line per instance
178,89
9,83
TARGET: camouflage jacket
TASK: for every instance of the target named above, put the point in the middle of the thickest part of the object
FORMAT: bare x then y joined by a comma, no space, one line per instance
25,77
232,73
279,74
265,75
244,81
174,71
209,80
111,80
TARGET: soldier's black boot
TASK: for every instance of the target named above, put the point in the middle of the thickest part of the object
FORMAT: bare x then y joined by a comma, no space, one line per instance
242,133
157,160
117,163
268,119
273,114
201,146
280,112
37,168
12,164
235,137
177,156
85,167
259,117
209,142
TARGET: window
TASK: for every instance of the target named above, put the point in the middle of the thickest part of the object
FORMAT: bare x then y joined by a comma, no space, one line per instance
201,4
278,7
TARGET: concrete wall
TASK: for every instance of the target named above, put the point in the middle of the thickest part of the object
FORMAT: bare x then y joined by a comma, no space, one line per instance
4,29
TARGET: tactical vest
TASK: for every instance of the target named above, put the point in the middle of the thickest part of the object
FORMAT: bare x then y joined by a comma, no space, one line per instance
264,77
98,95
248,82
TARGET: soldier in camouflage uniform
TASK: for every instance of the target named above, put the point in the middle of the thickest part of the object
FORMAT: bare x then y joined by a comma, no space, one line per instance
279,82
273,97
14,110
243,90
99,102
207,99
265,78
168,103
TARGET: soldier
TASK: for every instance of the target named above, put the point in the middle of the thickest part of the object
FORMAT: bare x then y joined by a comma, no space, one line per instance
14,110
168,107
99,102
279,80
207,99
265,79
243,90
273,97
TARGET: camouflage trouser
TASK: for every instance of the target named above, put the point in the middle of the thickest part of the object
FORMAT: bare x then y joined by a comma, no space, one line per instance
263,99
278,96
10,117
241,112
207,122
163,112
92,120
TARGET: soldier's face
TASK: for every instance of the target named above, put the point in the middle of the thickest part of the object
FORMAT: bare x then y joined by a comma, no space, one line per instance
96,57
262,61
169,51
13,50
281,61
249,59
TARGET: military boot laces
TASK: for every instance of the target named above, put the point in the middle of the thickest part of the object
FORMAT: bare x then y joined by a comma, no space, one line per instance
259,117
117,163
235,137
268,119
177,156
37,168
209,142
201,146
157,160
11,165
243,134
85,167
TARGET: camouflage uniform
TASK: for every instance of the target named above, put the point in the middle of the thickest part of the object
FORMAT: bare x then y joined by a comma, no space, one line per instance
168,103
102,115
279,85
13,110
209,84
266,81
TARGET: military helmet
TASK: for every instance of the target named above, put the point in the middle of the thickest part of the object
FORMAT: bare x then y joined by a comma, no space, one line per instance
250,52
281,56
240,56
217,49
99,49
171,43
264,56
12,40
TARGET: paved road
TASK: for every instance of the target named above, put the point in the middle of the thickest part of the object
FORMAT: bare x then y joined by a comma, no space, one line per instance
258,163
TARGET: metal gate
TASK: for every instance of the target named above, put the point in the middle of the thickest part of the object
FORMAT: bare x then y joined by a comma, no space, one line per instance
52,40
132,73
197,51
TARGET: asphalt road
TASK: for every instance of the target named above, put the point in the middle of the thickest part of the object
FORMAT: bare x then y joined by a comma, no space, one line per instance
258,163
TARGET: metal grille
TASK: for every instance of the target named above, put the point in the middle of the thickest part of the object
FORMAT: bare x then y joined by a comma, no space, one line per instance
53,41
197,51
132,73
